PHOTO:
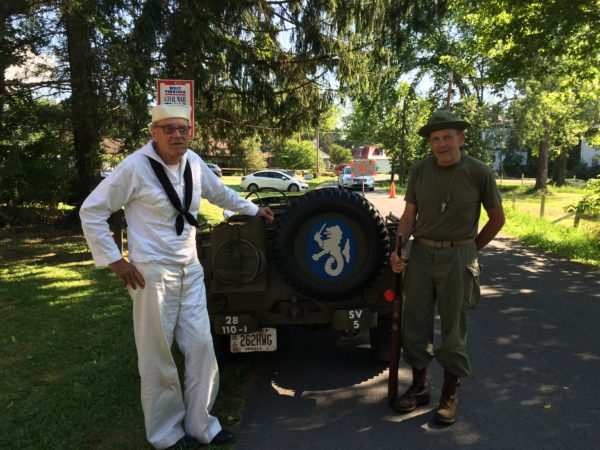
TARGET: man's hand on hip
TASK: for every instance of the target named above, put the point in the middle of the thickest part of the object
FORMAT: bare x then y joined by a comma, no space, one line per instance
128,273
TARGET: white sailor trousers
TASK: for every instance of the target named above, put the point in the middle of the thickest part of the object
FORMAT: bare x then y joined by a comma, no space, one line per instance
173,304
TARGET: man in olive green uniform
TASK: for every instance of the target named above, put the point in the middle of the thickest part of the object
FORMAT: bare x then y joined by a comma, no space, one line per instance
443,203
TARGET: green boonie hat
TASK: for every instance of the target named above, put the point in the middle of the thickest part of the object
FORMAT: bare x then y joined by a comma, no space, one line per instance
441,120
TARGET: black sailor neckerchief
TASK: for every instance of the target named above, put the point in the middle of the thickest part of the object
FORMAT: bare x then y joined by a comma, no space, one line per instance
159,170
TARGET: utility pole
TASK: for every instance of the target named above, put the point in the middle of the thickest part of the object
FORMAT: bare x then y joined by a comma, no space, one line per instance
318,145
403,149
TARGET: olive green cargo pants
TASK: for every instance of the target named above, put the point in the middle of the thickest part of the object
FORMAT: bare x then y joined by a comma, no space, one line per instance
448,278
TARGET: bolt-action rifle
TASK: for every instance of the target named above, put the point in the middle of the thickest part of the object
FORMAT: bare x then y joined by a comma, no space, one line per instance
396,345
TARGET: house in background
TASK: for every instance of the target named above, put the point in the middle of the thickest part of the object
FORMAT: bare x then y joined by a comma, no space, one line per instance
112,154
500,155
499,135
590,155
373,152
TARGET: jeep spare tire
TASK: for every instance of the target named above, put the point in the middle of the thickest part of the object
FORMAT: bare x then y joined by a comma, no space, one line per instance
331,243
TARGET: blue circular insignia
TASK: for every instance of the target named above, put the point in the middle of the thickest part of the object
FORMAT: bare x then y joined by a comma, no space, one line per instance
330,249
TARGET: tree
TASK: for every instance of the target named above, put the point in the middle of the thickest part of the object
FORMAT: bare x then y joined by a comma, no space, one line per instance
253,159
34,160
547,51
258,66
71,36
525,39
391,118
86,117
296,155
552,116
339,154
268,65
589,205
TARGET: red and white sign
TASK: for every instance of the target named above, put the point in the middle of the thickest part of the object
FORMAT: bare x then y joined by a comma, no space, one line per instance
363,167
177,92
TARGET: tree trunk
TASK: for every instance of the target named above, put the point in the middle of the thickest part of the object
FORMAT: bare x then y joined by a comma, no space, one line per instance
541,180
560,167
85,108
7,46
8,43
4,63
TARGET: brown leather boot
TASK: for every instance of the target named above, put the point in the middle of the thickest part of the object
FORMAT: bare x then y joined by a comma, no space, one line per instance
447,412
416,395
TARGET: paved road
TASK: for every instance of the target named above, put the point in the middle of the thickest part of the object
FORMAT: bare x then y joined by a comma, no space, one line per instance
535,349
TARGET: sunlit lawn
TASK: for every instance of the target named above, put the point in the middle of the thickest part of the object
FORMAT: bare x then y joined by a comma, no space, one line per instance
555,201
555,231
67,355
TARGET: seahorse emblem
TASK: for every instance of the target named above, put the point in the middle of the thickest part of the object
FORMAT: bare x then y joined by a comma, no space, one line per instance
332,246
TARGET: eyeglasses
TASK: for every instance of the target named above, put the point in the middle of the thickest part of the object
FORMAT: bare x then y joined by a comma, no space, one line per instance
170,129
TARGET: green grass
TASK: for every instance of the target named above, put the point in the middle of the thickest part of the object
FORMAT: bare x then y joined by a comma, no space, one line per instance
524,199
554,232
67,353
577,244
68,361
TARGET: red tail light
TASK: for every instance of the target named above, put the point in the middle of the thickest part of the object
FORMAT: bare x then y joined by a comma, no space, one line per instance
243,178
389,295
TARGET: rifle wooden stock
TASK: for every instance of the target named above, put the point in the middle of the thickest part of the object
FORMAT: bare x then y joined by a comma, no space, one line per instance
396,344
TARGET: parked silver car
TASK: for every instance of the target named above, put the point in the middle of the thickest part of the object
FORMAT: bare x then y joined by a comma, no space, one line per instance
347,181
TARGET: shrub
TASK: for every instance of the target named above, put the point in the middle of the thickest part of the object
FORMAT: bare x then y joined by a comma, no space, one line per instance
589,205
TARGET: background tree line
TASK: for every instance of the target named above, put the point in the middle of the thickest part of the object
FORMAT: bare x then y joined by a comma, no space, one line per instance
78,75
524,74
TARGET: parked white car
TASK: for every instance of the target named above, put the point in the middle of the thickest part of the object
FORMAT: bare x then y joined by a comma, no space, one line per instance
276,179
347,181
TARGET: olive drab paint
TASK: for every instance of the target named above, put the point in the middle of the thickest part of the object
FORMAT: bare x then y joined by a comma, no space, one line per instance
323,262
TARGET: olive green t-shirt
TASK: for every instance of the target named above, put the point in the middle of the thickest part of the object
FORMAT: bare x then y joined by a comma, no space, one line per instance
449,199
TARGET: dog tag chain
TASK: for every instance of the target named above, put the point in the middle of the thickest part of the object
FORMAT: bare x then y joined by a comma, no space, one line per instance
448,198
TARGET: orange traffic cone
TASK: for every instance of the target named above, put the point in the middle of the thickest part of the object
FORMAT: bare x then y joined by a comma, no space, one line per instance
393,191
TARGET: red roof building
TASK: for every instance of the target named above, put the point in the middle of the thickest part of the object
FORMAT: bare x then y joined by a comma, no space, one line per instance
373,152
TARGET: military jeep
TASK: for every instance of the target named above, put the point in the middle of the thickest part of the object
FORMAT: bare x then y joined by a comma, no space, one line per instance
323,262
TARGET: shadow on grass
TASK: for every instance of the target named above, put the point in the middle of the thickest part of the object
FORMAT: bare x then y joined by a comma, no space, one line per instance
68,362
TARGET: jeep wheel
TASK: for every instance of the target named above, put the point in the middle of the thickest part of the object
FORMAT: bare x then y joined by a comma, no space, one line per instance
331,243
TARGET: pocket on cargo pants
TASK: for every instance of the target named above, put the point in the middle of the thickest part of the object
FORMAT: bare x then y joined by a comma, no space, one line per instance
472,287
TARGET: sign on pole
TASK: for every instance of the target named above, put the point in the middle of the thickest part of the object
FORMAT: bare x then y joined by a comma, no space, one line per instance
177,92
364,167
